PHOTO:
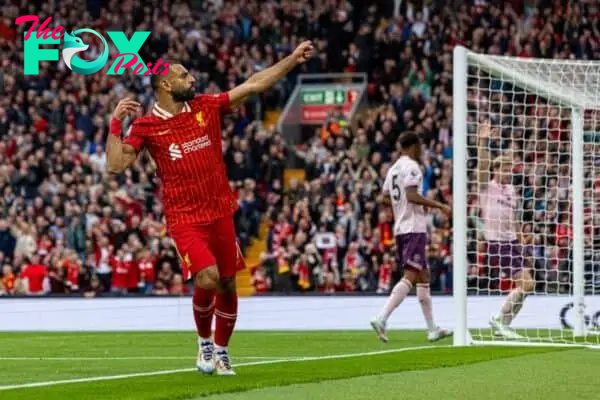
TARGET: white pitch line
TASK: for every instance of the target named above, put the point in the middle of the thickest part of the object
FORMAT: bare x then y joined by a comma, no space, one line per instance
177,371
128,358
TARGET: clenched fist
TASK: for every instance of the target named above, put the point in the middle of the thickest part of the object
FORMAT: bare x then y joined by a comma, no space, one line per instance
304,52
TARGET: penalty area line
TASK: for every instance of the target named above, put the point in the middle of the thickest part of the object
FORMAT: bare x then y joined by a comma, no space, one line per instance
182,370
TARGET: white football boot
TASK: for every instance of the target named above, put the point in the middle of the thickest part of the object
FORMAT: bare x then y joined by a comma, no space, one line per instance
205,362
439,334
503,330
378,326
223,362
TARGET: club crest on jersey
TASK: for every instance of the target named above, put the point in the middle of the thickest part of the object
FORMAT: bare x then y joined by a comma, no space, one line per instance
186,260
200,119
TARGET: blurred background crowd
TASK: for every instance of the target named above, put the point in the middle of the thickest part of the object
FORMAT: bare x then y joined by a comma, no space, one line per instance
67,226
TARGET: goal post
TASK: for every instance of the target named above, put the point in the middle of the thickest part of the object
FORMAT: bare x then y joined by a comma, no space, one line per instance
459,195
544,116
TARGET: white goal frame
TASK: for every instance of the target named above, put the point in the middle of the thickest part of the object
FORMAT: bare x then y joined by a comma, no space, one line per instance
567,97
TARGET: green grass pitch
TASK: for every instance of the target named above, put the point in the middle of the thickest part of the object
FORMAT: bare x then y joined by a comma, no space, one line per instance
288,365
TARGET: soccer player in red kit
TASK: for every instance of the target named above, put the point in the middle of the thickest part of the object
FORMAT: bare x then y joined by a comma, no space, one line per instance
183,136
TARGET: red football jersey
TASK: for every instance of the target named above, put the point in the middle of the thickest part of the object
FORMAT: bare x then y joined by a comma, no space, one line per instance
35,274
146,269
189,158
72,273
385,276
120,272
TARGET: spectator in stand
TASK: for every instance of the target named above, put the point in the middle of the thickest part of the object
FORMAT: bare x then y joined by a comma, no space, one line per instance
9,282
178,287
7,240
146,262
34,276
95,288
26,243
160,289
260,280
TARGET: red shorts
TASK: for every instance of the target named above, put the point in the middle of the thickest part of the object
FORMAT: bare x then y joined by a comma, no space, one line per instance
200,246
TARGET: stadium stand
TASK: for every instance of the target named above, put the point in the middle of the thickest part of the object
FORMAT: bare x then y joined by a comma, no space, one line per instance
410,66
89,233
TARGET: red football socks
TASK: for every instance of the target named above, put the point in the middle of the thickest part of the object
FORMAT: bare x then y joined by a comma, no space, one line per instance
226,315
204,307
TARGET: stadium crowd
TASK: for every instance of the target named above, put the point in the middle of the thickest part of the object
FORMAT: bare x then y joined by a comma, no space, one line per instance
334,232
70,227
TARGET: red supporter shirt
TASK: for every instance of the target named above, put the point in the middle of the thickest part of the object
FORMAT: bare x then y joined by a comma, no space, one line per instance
120,272
385,275
72,273
303,276
133,274
146,268
35,275
189,158
261,285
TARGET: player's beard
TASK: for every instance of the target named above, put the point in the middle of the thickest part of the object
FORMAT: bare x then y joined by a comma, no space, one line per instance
183,95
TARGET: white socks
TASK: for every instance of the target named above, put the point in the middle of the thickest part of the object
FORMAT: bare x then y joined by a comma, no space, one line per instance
399,293
424,296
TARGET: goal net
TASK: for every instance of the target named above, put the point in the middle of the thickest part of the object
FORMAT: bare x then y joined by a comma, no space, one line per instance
527,167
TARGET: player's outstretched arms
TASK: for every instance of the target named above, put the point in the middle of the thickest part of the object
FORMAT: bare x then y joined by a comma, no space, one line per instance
266,79
413,196
119,155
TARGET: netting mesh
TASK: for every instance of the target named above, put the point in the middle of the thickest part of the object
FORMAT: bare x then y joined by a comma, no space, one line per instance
520,196
567,82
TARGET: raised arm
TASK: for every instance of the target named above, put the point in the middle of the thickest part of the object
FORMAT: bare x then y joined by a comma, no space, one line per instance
264,80
483,156
120,155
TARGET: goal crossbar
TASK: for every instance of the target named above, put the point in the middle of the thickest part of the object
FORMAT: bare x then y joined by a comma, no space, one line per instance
577,96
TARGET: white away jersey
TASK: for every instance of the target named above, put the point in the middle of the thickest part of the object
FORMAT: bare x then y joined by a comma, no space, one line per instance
498,205
408,217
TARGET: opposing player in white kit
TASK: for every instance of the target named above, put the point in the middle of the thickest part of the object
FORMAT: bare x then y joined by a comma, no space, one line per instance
498,205
403,185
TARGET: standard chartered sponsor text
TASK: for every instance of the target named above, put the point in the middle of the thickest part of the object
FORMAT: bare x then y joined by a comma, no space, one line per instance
196,144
